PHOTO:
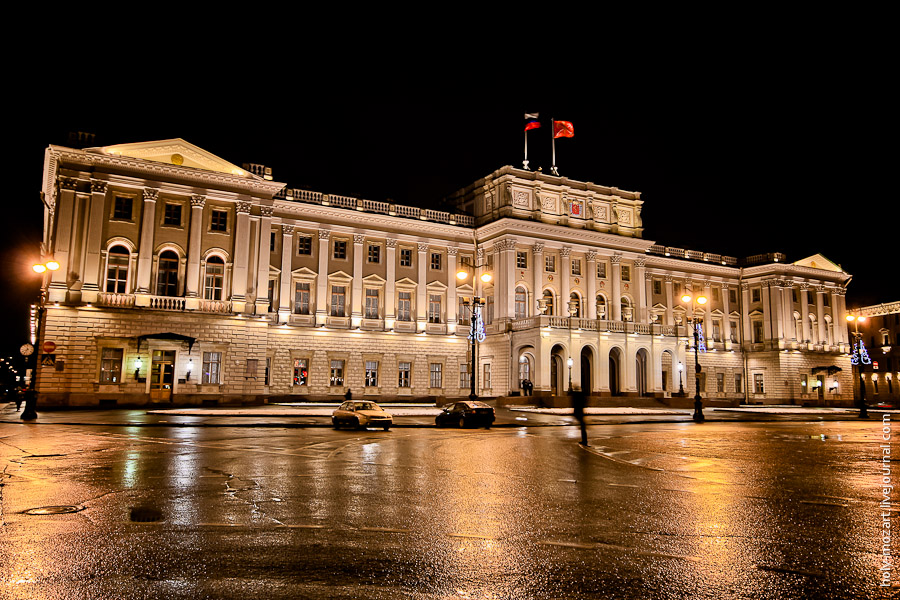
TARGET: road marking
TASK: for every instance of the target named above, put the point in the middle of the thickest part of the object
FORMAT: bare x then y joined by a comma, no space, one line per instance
302,526
824,503
792,571
471,536
568,480
384,529
631,485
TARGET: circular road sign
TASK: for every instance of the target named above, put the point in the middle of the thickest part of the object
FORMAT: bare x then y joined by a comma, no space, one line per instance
48,347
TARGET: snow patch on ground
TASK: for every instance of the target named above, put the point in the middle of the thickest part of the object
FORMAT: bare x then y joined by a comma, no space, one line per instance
283,412
611,410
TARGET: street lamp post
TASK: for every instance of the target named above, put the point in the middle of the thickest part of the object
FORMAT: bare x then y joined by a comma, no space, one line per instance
475,307
698,402
680,380
31,350
570,362
860,357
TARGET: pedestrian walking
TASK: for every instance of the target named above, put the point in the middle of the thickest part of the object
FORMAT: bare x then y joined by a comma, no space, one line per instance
348,395
579,399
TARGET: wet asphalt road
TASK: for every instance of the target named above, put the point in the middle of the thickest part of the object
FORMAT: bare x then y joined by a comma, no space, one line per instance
670,510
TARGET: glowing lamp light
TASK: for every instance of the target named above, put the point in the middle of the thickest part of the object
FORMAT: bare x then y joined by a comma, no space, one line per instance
52,265
461,274
486,277
685,298
39,268
701,299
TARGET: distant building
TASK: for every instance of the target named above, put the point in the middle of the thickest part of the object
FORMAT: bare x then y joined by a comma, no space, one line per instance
880,334
187,279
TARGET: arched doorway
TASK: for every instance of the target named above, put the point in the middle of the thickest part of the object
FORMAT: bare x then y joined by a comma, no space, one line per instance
587,361
666,377
641,372
557,386
615,356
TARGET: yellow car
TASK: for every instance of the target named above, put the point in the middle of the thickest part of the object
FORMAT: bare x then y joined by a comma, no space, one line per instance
360,415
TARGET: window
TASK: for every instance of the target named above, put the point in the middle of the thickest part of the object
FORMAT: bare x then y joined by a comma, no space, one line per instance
111,365
304,244
548,302
271,294
434,307
337,373
732,295
734,331
122,208
404,306
720,382
657,286
550,263
521,303
435,380
738,383
716,294
717,330
489,311
405,257
172,215
601,307
521,260
794,295
271,241
219,221
574,305
601,270
215,276
301,371
462,312
374,253
117,269
371,373
757,331
301,298
371,303
576,266
626,273
340,249
167,274
338,299
212,362
403,371
486,377
465,382
804,384
436,261
825,300
268,375
758,384
754,295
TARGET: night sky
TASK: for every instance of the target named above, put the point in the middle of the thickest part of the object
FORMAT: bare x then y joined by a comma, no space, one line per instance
737,163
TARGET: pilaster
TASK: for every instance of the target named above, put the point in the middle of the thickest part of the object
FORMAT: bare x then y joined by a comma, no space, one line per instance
241,257
90,290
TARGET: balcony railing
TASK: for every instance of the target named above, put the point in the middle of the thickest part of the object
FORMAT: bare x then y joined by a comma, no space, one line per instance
592,325
166,303
117,300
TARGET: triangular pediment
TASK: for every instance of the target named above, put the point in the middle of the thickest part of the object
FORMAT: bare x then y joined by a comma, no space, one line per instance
817,261
374,279
176,152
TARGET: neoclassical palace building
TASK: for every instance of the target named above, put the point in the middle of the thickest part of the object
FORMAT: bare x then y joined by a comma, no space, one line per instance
187,279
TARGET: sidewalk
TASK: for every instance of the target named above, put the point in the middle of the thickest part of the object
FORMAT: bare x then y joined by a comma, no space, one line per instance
412,415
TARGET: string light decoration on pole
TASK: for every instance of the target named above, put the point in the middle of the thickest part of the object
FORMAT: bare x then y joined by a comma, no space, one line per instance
859,358
699,346
475,306
29,350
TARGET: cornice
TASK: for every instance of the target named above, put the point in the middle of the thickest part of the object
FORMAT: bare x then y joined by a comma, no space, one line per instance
156,170
546,232
690,266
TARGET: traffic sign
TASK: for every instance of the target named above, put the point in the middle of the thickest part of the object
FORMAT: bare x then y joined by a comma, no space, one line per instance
48,360
48,347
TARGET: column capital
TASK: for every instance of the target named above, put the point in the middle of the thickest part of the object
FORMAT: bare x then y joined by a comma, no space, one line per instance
538,247
324,234
151,194
97,186
724,285
804,285
565,251
670,278
287,230
640,262
358,238
243,207
266,211
423,247
707,283
390,243
452,251
197,201
615,259
591,256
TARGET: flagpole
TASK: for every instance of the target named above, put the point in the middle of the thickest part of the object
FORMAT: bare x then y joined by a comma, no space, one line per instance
553,138
525,162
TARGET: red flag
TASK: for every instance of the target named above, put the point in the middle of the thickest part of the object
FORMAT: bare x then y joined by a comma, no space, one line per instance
563,129
532,125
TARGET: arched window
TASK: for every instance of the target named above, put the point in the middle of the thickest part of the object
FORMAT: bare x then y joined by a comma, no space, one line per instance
627,313
574,305
548,302
215,278
167,274
601,307
117,269
521,300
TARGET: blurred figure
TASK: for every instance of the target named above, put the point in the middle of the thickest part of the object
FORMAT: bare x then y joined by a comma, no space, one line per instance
579,399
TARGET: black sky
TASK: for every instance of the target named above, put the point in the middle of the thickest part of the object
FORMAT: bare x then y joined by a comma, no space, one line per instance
758,157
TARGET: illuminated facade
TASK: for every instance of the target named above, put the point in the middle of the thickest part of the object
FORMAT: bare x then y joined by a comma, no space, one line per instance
880,333
186,279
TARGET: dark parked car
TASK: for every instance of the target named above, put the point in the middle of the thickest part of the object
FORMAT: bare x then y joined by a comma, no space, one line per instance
466,414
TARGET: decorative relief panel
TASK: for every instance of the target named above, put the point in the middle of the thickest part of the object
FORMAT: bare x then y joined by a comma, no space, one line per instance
520,199
624,216
548,204
601,212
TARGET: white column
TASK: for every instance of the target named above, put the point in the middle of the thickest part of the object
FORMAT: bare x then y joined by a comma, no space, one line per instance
641,309
564,278
284,295
506,295
322,278
707,310
145,254
390,303
745,312
787,313
193,266
241,257
591,300
356,299
92,245
65,221
262,261
616,278
726,320
451,288
421,291
538,283
804,311
777,306
820,314
670,300
768,332
840,316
